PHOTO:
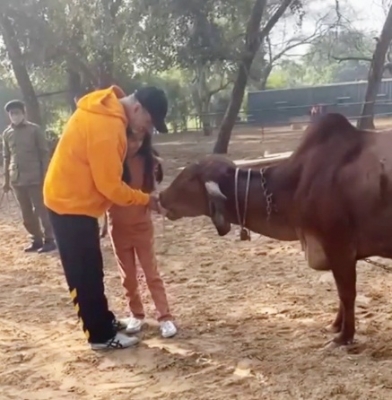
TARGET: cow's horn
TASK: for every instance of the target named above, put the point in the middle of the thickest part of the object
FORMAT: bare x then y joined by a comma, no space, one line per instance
214,190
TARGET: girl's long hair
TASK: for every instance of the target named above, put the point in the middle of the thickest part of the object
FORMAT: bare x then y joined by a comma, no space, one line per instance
153,171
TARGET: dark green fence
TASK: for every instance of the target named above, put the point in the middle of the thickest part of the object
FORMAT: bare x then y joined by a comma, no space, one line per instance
276,107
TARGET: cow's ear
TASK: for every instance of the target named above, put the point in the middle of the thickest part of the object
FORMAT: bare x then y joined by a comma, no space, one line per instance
217,200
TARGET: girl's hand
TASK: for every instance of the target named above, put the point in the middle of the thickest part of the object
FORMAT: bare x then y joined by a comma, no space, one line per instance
155,205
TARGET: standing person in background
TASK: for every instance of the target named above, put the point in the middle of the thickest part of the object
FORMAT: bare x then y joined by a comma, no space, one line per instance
26,157
84,179
314,111
132,234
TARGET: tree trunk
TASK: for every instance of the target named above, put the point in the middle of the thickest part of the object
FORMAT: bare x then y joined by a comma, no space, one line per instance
105,69
202,97
205,115
20,70
264,77
74,86
105,59
253,39
206,124
366,121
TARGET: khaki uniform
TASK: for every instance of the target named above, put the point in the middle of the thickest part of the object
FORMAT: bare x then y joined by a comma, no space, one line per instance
26,156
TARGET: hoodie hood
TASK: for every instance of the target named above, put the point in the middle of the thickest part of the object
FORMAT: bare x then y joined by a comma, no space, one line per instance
104,102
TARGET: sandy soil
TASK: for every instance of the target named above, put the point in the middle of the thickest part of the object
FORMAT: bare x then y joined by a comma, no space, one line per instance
251,316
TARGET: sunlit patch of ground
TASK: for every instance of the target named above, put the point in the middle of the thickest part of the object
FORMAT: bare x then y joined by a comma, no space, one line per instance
251,317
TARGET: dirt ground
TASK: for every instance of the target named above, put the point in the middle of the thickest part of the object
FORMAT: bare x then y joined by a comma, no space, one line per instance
251,315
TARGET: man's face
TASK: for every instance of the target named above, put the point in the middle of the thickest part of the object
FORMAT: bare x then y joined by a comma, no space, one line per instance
17,116
140,120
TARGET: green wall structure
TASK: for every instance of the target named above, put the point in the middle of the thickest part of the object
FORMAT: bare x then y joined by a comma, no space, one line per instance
282,106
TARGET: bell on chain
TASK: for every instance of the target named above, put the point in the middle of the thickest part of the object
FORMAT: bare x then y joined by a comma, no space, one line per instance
244,234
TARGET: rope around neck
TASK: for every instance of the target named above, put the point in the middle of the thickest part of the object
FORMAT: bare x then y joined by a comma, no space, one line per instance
241,221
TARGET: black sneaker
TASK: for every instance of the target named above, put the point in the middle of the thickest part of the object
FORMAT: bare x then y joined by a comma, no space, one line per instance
35,246
47,247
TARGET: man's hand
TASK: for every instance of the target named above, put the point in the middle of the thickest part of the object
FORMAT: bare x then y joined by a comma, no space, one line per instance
154,203
6,187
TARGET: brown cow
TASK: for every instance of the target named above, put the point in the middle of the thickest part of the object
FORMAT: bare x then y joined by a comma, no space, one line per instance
334,194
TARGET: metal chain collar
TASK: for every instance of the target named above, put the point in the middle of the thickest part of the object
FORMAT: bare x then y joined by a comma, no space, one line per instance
267,195
376,264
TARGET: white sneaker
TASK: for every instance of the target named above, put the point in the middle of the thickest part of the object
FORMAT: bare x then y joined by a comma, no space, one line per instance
120,324
120,341
168,329
134,325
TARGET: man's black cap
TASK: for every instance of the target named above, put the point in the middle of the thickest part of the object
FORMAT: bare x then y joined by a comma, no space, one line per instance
14,105
154,101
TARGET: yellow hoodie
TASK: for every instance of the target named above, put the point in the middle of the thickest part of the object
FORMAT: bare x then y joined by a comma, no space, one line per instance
84,174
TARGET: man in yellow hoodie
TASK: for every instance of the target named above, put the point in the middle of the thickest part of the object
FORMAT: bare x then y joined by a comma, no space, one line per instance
83,180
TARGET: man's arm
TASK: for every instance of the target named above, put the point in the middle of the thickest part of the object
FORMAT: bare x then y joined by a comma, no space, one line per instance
43,149
105,159
6,160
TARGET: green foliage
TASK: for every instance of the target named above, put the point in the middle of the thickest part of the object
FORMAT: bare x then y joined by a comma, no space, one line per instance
190,48
335,57
58,121
7,92
178,96
278,79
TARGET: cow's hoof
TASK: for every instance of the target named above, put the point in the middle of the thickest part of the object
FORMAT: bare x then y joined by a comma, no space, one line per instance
339,343
341,340
330,345
332,328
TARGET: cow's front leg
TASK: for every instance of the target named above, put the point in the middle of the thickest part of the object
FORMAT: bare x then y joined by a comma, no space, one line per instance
336,325
345,278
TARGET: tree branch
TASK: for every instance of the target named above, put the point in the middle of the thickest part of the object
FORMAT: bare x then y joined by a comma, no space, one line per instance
289,47
114,8
341,59
80,66
274,19
221,87
269,44
338,13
